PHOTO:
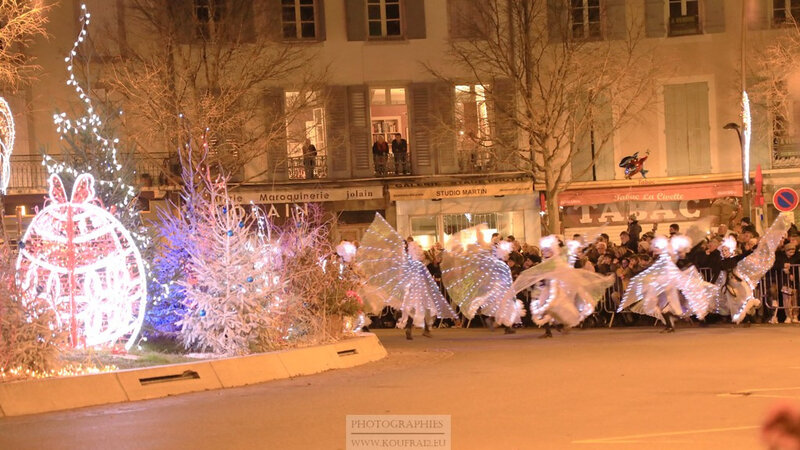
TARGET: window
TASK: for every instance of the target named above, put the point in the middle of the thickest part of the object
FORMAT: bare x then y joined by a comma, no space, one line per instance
208,13
785,11
305,124
298,19
474,132
427,230
383,18
585,19
388,116
684,17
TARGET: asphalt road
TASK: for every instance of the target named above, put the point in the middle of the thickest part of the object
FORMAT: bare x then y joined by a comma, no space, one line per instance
620,388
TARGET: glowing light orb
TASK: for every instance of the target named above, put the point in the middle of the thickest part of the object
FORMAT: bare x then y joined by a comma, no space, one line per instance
80,259
6,144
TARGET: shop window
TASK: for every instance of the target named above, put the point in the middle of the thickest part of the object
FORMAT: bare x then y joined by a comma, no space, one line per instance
473,142
305,127
298,19
383,18
388,117
425,231
585,19
684,17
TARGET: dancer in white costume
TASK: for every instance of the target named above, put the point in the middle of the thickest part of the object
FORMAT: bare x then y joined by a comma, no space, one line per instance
395,275
664,291
478,279
740,274
569,295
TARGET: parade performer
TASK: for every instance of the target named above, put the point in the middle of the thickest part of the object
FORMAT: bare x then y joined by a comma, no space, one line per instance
664,291
394,273
478,279
741,273
568,295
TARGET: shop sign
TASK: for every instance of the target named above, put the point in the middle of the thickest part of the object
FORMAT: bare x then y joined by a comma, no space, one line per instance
309,195
459,191
646,211
655,193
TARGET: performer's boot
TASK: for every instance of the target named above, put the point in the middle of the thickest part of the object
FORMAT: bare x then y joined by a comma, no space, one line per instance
508,330
547,332
409,325
668,320
427,331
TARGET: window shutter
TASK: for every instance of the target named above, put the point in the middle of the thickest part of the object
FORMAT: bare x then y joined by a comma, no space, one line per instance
762,130
272,18
336,128
758,14
421,121
320,19
105,19
654,17
582,158
275,106
240,26
616,22
506,147
557,20
444,133
604,141
714,16
675,130
183,19
463,19
415,19
698,128
356,16
360,137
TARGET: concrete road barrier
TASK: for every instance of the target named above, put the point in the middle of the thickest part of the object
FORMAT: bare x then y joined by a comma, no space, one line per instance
54,394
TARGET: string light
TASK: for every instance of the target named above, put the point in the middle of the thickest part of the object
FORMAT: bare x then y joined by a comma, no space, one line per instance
79,259
477,278
663,287
569,295
398,276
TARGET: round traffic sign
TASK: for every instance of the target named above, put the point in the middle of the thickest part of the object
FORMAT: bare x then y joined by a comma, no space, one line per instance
785,199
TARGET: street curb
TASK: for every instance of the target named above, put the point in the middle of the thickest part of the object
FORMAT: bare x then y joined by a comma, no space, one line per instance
19,398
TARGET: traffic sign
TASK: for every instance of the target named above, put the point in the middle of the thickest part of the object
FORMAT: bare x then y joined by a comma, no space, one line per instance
785,199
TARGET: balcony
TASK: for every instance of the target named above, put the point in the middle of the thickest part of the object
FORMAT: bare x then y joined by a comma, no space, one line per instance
29,175
684,25
785,152
299,171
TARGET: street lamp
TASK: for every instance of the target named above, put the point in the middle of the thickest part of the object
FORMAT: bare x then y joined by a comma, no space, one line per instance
745,167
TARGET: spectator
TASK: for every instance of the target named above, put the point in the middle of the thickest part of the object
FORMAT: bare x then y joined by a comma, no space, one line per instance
515,254
380,155
634,229
710,258
309,158
625,241
400,151
674,229
496,238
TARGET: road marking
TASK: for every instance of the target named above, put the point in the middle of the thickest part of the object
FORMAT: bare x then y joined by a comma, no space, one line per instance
637,438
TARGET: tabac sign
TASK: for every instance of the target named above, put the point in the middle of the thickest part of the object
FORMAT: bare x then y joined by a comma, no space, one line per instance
460,191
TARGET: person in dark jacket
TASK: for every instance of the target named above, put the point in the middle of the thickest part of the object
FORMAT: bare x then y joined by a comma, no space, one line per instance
400,152
625,241
634,229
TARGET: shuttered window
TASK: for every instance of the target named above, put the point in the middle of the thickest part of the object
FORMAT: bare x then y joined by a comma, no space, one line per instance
299,19
585,19
687,129
384,18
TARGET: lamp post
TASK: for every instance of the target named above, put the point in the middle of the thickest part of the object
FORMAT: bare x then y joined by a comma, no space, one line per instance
746,201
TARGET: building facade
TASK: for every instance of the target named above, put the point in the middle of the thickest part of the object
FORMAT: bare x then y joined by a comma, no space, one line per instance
378,55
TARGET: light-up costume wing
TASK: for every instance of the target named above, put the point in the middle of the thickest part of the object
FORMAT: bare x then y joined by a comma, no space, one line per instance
568,296
478,280
734,295
397,277
663,287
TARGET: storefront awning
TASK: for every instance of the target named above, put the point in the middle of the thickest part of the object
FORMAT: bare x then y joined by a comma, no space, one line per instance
651,193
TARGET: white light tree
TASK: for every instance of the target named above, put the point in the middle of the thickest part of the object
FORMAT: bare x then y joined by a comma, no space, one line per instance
552,84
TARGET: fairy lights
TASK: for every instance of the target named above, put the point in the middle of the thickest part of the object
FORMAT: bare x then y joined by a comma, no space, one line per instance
397,275
746,132
79,259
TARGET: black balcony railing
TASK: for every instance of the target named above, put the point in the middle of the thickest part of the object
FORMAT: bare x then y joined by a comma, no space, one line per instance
684,25
301,168
785,152
28,174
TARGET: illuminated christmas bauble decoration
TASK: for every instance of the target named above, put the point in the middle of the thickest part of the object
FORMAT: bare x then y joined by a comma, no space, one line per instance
80,259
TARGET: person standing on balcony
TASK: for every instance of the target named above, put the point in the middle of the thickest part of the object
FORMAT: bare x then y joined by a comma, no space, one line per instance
400,151
380,155
309,158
